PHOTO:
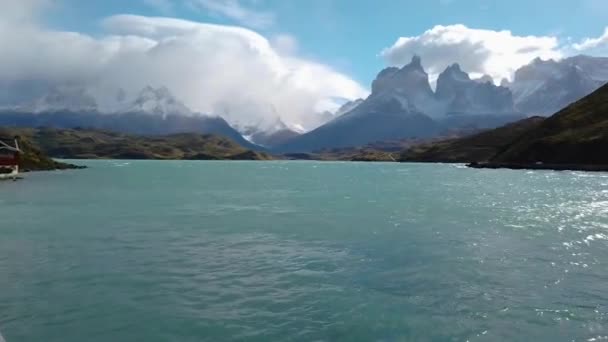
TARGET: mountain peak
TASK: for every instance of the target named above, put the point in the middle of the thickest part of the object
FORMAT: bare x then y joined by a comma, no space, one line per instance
416,61
158,101
454,67
462,94
485,79
415,64
71,98
453,73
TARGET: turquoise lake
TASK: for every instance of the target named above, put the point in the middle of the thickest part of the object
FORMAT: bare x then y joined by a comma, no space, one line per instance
303,251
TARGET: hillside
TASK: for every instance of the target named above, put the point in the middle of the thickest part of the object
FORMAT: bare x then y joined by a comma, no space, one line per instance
578,134
574,138
480,147
136,123
94,144
32,158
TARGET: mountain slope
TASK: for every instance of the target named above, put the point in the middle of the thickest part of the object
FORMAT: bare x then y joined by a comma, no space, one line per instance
480,147
32,158
573,138
578,134
379,118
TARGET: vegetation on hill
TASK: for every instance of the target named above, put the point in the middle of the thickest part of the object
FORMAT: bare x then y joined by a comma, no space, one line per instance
98,144
355,154
480,147
574,138
578,134
32,158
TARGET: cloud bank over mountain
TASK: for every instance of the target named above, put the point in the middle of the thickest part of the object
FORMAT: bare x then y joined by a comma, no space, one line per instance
483,52
224,70
231,71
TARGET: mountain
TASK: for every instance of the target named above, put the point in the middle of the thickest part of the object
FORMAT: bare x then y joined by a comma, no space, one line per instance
578,134
387,114
461,94
484,79
472,103
403,105
378,122
544,87
347,107
157,101
70,98
269,135
410,85
152,111
91,144
479,147
134,123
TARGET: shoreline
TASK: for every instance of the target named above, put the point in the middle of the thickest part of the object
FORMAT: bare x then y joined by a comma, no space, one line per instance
526,166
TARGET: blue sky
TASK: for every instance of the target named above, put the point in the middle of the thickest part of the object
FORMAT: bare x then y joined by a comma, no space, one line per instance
349,35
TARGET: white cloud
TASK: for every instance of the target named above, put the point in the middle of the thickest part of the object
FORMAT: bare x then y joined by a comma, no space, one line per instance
22,12
226,70
236,10
496,53
594,45
285,43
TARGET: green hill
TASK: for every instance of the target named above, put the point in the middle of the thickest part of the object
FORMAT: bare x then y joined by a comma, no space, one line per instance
480,147
98,144
32,158
578,134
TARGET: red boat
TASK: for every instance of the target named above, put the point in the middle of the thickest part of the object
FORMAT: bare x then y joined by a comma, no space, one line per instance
9,160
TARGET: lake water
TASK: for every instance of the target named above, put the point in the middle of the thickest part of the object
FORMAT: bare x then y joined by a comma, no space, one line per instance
303,251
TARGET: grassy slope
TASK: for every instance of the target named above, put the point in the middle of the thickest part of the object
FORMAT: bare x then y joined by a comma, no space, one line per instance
578,134
478,147
96,144
32,159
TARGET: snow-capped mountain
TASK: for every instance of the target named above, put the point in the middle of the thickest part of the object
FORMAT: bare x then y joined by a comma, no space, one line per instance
460,94
152,111
410,86
149,100
544,87
157,101
269,132
403,105
388,113
70,98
